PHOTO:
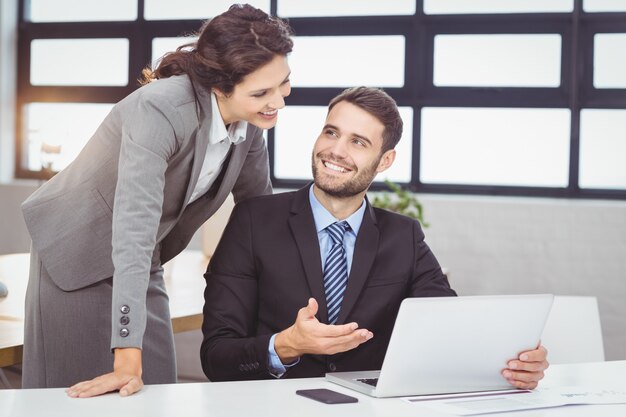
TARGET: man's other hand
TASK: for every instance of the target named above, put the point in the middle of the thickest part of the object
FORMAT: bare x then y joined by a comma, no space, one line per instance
526,371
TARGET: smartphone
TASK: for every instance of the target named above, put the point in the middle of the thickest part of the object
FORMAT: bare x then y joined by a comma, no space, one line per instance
326,396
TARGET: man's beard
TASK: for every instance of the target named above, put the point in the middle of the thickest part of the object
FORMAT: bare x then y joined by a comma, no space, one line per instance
348,188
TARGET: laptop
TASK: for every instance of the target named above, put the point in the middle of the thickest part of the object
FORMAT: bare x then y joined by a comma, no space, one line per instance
442,345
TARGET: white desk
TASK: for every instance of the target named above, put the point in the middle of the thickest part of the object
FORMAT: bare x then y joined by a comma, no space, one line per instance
278,398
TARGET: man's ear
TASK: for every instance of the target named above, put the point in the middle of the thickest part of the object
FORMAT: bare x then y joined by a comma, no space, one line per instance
386,160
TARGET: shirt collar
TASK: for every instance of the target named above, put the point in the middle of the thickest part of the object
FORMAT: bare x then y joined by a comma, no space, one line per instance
323,218
236,133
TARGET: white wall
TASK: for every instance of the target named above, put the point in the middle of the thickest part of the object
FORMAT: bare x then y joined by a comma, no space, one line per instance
13,234
8,81
503,245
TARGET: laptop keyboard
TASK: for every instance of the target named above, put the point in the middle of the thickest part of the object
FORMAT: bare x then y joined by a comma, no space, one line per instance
368,381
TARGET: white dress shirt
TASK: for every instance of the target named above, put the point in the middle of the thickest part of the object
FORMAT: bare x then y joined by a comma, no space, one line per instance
220,140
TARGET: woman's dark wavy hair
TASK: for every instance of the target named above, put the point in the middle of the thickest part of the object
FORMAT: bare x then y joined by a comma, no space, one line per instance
230,46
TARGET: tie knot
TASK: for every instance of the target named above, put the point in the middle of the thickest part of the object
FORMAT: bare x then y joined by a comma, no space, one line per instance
337,230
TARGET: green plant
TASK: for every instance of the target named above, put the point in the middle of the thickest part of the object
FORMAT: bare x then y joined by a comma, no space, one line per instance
400,201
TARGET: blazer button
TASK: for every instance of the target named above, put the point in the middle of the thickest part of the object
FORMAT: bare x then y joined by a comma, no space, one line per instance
125,309
332,367
124,320
124,332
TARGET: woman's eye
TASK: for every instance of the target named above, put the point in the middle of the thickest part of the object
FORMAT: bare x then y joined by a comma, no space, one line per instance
259,94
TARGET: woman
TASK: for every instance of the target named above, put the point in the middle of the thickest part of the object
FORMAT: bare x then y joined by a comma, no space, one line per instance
160,164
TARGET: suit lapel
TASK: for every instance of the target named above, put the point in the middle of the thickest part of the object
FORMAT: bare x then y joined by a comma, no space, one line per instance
363,258
203,111
196,213
233,164
305,235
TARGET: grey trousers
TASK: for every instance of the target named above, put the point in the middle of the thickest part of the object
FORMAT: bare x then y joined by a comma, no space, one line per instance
67,334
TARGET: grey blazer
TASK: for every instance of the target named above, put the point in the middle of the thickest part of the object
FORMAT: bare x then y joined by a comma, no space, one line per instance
120,209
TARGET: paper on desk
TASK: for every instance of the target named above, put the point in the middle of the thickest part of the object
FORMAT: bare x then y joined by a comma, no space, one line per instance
521,400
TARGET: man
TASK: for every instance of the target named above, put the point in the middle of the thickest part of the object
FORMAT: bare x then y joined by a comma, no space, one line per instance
325,248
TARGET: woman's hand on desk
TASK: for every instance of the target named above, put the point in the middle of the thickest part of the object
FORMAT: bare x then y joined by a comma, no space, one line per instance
126,377
526,371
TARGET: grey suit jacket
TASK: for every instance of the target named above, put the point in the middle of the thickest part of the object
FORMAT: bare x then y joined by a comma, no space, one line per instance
120,209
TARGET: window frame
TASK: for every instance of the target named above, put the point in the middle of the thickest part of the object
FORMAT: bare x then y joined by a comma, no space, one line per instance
576,91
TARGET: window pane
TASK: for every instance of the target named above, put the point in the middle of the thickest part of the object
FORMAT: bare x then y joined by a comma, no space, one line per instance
496,6
160,46
299,8
347,61
56,132
602,148
604,5
609,60
193,9
495,146
82,10
497,60
79,62
298,129
295,133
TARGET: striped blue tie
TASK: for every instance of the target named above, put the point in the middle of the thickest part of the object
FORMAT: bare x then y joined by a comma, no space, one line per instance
335,270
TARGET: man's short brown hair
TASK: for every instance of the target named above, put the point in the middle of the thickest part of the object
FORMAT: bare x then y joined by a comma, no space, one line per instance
379,104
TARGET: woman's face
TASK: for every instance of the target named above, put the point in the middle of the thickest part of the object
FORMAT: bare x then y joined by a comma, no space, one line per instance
258,97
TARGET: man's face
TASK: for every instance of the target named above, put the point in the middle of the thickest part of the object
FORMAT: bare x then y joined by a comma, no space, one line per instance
347,154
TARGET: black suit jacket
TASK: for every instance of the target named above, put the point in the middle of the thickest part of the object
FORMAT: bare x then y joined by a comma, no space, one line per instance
268,264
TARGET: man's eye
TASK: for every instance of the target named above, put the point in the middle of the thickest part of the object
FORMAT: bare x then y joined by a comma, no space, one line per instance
331,133
359,142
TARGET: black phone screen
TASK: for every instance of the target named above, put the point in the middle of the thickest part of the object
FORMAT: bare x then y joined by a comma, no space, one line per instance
327,396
